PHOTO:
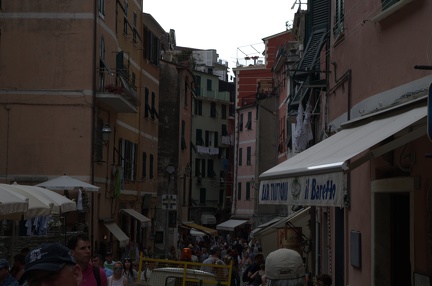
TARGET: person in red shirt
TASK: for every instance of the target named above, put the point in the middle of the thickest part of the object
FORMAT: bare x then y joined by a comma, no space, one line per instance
80,246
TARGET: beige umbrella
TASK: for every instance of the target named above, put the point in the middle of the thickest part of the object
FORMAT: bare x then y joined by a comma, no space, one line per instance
37,205
67,183
61,203
12,204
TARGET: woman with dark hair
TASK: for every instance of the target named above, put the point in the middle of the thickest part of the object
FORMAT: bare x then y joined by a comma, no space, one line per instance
128,272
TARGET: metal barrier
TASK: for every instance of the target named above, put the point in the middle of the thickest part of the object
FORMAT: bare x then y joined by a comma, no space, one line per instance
163,272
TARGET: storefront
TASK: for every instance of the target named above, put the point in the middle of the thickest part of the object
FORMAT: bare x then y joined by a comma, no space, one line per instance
357,182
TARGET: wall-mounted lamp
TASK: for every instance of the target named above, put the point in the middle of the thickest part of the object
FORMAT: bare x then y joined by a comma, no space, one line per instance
187,170
106,132
254,185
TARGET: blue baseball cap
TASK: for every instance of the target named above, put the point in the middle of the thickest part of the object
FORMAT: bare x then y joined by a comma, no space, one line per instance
48,257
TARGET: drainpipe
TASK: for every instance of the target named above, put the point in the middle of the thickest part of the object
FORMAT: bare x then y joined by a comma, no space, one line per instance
93,120
234,189
347,76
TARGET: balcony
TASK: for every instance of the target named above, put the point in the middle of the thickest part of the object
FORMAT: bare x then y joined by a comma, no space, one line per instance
228,140
214,94
117,93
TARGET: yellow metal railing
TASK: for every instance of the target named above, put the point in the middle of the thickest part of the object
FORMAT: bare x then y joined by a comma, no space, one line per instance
163,272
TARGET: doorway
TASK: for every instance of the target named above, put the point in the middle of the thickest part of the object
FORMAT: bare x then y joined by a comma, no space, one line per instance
391,216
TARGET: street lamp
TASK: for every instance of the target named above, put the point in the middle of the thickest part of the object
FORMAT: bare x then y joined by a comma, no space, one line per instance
186,174
253,185
106,132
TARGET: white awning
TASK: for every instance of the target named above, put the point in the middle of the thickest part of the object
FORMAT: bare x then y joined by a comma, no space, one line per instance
230,225
118,233
194,232
191,225
318,171
294,218
141,218
208,219
264,225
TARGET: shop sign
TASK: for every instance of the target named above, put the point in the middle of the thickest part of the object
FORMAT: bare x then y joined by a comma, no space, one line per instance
312,190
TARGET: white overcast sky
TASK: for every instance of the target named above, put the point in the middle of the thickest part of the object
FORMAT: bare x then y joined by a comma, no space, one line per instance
232,27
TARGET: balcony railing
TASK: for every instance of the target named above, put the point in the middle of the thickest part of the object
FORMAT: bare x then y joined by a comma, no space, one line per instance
117,92
214,94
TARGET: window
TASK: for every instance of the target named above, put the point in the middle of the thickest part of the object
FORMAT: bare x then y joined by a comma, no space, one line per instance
240,156
198,168
248,156
224,130
183,140
224,111
198,85
248,191
249,122
338,27
146,103
186,92
102,66
101,7
241,122
134,35
239,185
125,20
203,193
203,167
211,138
128,152
198,107
388,3
153,110
389,7
213,111
152,47
151,166
198,137
209,85
144,165
210,169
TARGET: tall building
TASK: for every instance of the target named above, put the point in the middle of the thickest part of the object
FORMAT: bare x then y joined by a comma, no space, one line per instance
74,73
175,151
210,165
257,121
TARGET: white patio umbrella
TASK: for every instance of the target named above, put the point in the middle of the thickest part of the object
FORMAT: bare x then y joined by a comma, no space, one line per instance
37,205
12,204
67,183
61,203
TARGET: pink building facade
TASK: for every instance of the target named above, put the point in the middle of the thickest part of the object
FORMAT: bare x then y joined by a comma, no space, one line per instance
365,174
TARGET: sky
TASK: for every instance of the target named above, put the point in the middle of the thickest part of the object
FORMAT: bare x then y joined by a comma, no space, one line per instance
234,28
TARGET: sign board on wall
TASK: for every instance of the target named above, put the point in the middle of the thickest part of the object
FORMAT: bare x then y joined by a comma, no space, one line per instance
312,190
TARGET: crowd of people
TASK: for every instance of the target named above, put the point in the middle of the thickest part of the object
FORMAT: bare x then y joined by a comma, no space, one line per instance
73,264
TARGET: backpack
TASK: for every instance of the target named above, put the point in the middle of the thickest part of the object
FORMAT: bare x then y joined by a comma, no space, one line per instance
96,274
245,277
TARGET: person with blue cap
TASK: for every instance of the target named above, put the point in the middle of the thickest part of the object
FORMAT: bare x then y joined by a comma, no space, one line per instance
5,277
51,264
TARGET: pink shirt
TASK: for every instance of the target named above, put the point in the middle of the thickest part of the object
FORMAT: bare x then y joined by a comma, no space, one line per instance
89,279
